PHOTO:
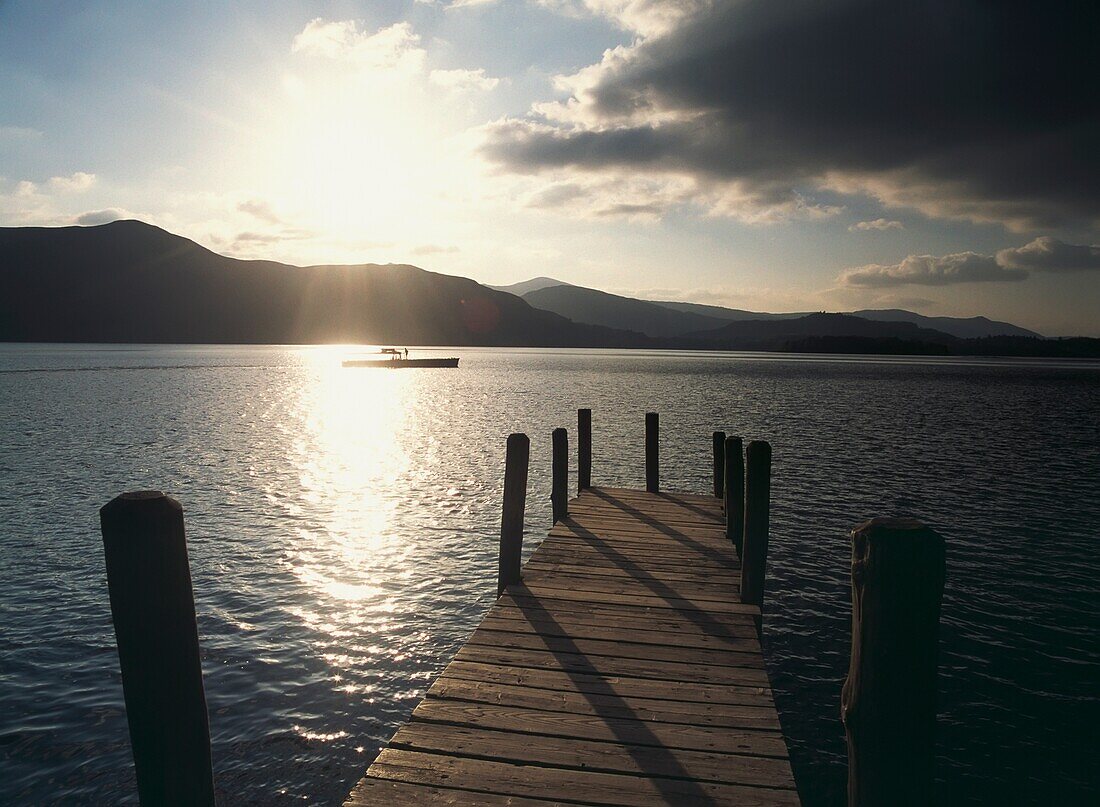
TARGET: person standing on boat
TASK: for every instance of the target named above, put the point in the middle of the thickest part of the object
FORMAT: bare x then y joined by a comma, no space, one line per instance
406,354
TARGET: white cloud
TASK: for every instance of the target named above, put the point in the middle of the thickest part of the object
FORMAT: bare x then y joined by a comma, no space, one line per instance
105,216
393,48
876,224
1044,254
929,270
260,209
463,80
645,17
73,183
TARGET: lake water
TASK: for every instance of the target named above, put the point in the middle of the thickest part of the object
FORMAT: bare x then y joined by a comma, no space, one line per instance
343,525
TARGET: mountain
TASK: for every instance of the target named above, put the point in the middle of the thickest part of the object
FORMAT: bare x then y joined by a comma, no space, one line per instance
613,311
534,284
786,334
599,308
723,313
964,328
131,282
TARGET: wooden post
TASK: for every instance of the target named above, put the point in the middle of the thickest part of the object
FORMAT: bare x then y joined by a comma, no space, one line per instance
559,496
888,703
652,463
734,476
515,499
584,449
718,442
754,552
153,609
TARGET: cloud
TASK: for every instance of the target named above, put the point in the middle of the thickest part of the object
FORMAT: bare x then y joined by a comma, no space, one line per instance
967,109
876,224
1048,254
648,17
434,249
105,216
73,183
260,209
927,270
463,80
1044,254
392,48
603,197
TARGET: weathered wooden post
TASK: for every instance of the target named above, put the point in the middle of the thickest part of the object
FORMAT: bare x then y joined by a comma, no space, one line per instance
584,449
754,551
511,521
559,495
652,463
888,703
734,477
718,445
153,609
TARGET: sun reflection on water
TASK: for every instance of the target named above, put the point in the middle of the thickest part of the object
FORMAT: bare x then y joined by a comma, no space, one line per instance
350,452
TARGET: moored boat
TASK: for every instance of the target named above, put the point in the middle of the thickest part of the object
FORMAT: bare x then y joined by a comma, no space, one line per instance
396,361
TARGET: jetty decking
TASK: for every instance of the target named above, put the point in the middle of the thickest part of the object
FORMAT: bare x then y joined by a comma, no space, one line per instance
622,670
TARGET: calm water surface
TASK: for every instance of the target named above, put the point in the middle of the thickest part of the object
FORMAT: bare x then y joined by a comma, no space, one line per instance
342,527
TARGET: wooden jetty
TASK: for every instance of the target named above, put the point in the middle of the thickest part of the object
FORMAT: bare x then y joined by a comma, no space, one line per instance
623,668
620,666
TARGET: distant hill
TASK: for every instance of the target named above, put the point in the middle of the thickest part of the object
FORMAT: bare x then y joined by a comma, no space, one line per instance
613,311
727,314
600,308
534,284
131,282
782,334
964,328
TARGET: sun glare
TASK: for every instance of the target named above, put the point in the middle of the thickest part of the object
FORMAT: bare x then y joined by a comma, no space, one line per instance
363,157
351,453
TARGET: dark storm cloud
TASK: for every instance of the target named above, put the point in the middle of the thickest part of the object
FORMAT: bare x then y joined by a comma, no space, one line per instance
1051,255
972,108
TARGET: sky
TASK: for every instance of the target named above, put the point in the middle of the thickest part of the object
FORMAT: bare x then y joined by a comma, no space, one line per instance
782,156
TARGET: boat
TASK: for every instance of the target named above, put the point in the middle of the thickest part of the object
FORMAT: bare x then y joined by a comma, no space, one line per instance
397,359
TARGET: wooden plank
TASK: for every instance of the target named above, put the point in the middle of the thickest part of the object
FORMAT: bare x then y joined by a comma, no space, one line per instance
555,783
665,517
698,499
538,593
626,616
747,656
612,527
618,755
688,573
724,740
706,506
647,586
631,557
561,625
755,708
621,670
714,550
371,790
608,665
624,685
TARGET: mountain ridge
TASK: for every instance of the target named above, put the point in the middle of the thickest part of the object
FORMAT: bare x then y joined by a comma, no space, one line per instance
129,281
583,304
